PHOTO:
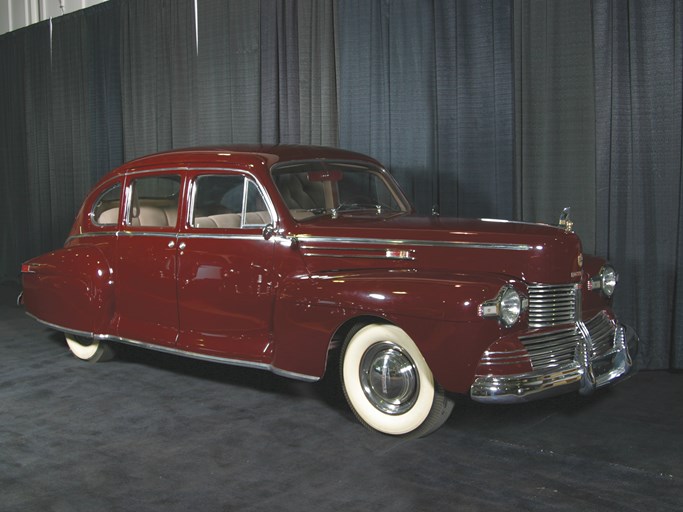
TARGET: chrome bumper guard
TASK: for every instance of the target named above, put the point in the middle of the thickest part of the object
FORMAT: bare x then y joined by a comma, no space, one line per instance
583,374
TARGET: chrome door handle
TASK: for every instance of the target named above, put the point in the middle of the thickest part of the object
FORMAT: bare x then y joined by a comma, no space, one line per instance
182,246
171,244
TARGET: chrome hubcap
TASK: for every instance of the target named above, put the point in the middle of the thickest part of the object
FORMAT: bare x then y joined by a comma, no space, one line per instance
389,378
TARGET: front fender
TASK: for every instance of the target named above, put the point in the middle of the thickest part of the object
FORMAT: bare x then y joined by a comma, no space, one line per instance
433,308
70,288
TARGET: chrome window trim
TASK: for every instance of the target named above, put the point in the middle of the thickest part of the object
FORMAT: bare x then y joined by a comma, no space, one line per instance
248,176
150,171
91,214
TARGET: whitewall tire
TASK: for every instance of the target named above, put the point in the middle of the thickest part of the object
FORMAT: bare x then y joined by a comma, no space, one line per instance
389,385
91,350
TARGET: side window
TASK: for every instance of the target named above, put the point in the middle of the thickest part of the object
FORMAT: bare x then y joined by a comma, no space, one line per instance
153,201
227,201
105,211
255,211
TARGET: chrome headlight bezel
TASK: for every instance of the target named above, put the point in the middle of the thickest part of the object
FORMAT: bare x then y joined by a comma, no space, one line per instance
508,306
606,281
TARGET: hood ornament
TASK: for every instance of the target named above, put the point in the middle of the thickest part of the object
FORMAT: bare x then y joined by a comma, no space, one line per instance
566,221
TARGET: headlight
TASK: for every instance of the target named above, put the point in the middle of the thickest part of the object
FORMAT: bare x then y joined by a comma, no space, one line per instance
507,306
608,280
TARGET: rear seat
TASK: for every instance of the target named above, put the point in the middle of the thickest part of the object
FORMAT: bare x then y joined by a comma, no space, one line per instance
155,216
162,217
223,220
108,217
232,220
146,216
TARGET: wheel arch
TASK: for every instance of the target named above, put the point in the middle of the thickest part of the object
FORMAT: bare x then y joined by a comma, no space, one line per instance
313,316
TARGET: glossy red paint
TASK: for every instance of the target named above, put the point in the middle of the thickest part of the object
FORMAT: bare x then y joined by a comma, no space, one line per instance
283,301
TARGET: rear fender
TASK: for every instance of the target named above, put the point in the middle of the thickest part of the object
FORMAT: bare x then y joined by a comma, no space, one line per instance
70,289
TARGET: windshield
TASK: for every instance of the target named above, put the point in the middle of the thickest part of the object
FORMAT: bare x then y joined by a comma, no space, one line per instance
334,188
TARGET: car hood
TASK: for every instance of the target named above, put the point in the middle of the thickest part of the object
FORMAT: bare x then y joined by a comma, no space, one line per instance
532,252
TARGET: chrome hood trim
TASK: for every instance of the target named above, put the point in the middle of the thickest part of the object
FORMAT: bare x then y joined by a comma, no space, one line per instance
307,240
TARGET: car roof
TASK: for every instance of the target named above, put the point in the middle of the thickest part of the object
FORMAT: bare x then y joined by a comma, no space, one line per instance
267,154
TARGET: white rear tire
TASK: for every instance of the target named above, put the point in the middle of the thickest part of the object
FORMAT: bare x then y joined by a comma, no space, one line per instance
91,350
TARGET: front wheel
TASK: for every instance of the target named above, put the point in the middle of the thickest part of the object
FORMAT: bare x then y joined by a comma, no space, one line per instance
91,350
388,384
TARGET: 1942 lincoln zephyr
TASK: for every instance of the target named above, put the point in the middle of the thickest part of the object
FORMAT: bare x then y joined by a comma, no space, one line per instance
283,257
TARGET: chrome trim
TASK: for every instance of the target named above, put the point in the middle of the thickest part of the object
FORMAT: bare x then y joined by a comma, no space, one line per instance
359,256
91,214
389,378
159,234
170,234
565,221
248,176
61,328
526,387
94,233
420,243
361,252
221,236
584,373
206,357
133,172
178,352
551,305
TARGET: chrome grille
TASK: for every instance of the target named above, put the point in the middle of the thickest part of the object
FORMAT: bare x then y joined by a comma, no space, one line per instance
557,348
551,349
552,304
601,329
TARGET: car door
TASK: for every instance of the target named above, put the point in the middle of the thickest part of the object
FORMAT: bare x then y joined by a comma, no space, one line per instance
225,273
146,267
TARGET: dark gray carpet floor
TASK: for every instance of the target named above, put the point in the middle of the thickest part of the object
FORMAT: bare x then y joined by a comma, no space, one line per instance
150,432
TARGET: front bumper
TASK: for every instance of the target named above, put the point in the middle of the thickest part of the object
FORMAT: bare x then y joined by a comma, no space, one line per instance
583,374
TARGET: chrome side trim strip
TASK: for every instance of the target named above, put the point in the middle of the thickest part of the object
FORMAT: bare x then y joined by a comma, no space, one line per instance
421,243
61,328
359,256
178,352
221,236
161,234
91,234
208,358
168,234
358,252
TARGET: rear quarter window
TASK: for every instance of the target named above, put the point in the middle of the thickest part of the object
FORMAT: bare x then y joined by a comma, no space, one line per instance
105,210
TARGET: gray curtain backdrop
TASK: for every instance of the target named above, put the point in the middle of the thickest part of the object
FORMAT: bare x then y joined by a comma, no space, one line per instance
511,109
426,86
598,128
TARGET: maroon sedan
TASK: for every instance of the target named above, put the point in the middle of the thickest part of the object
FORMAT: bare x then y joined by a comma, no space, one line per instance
283,257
